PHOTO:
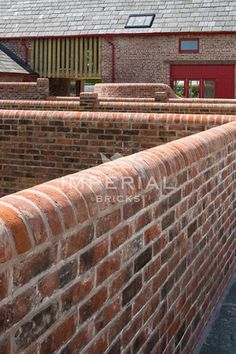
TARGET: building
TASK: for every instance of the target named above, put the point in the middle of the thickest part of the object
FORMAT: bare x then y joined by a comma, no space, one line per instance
13,69
190,45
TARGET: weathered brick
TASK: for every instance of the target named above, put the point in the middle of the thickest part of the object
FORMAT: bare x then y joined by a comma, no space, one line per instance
4,284
77,292
142,259
93,305
94,255
192,228
168,220
107,314
108,267
81,339
77,241
18,230
35,327
16,309
120,236
131,290
5,346
108,223
57,280
59,336
34,265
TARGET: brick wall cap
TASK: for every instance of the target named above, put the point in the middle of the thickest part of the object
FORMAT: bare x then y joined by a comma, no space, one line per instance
158,162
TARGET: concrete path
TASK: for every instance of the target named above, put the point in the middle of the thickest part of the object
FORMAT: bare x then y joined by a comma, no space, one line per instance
222,336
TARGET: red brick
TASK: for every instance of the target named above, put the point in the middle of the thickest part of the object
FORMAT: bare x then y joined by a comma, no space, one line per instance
108,267
18,229
34,265
29,331
152,233
16,309
59,336
99,346
120,236
4,280
93,304
121,280
81,339
57,280
5,346
77,241
108,222
107,314
94,255
78,292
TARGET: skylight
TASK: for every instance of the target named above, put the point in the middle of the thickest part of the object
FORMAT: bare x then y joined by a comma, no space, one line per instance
140,21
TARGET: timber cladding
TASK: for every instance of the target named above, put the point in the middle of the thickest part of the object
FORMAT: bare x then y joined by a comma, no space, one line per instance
143,273
75,58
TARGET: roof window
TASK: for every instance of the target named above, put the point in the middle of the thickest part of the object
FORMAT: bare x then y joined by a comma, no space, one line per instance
140,21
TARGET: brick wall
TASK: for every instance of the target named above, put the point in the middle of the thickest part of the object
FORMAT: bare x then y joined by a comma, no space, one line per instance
93,265
90,102
143,90
16,77
36,147
169,107
20,47
149,57
24,90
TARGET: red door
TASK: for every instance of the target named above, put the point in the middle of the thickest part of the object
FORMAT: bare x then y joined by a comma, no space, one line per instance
203,81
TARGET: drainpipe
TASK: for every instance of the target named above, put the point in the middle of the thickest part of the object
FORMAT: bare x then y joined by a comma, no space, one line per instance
113,60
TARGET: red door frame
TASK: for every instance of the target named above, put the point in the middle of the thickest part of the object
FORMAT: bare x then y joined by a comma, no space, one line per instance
222,74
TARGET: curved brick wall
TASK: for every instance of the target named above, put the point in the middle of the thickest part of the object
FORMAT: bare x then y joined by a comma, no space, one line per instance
132,90
89,264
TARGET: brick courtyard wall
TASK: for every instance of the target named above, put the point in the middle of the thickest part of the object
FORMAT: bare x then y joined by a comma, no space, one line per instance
93,265
169,107
149,57
38,146
24,90
142,90
138,105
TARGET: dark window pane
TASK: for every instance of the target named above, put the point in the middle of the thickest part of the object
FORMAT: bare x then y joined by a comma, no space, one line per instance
179,88
209,88
194,88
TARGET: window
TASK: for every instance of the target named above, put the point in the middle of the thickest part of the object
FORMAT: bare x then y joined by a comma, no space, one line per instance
189,45
179,88
209,88
140,21
194,88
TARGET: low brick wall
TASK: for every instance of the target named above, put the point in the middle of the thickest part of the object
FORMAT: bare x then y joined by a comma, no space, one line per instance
41,105
24,90
93,265
144,90
91,102
169,107
38,146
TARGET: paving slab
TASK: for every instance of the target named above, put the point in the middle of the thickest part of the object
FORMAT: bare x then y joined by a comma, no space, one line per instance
222,336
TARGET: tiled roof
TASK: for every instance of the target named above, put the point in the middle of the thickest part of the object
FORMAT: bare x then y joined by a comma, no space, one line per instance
8,65
27,18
